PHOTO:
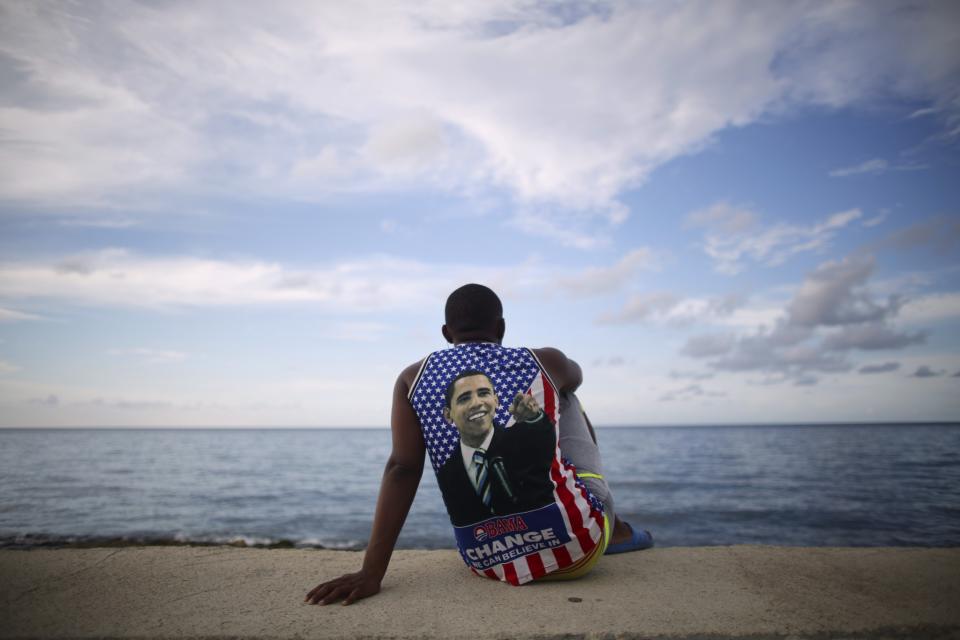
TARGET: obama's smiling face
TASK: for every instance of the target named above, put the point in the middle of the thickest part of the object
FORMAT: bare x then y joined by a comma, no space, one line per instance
472,406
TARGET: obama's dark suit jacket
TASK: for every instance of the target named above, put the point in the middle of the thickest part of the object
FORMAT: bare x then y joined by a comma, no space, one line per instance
527,449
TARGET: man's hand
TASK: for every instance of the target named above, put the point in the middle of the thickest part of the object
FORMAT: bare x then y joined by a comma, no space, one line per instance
524,408
351,587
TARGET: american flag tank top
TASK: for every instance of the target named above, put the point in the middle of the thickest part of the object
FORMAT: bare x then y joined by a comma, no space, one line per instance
520,513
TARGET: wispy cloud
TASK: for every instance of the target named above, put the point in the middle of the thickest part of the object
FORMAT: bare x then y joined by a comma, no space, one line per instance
885,367
598,280
924,371
873,166
931,307
12,315
689,392
358,331
734,235
150,355
667,307
7,368
51,400
940,233
559,229
876,220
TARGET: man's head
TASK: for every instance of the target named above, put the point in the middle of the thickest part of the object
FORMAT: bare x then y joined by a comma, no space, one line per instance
471,405
473,312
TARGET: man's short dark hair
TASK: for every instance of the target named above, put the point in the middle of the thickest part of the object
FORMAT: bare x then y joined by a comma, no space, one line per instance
460,376
472,307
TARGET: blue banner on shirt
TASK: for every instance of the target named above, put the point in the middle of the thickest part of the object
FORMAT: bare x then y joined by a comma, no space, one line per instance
502,539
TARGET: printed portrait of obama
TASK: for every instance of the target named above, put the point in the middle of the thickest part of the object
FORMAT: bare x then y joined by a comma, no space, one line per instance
496,471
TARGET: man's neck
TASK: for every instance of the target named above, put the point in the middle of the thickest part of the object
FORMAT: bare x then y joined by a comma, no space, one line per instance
469,339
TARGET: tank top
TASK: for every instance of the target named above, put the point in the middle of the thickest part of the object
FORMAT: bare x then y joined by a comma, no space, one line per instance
540,517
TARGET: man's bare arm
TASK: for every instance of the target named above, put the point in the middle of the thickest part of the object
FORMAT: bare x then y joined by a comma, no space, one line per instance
401,477
564,372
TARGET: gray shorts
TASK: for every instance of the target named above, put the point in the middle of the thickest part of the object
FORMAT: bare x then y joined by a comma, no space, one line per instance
577,446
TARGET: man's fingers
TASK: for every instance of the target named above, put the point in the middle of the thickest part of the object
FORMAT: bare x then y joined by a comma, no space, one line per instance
333,596
313,592
320,592
352,596
516,404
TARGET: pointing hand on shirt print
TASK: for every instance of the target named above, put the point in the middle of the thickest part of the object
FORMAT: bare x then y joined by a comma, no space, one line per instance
524,408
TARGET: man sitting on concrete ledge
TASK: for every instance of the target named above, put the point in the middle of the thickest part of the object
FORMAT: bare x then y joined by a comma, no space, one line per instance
521,479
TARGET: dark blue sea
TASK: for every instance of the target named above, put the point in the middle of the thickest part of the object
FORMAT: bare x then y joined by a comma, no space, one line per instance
848,485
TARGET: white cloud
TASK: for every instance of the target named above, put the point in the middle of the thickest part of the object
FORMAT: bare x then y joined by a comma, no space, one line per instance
109,103
120,278
832,313
834,294
734,235
874,166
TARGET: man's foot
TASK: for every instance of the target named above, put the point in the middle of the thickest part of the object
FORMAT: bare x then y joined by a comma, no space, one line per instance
625,538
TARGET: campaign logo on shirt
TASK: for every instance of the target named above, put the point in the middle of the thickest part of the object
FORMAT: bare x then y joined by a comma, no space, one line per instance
499,540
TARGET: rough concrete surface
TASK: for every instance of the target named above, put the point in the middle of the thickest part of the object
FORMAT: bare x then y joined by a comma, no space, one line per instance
709,592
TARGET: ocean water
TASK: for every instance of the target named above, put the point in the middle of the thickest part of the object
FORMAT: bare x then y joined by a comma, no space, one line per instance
849,485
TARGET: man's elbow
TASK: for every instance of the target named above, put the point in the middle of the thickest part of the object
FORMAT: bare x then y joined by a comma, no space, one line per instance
574,377
400,470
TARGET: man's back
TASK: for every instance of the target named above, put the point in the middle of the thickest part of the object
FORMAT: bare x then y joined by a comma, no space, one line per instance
517,509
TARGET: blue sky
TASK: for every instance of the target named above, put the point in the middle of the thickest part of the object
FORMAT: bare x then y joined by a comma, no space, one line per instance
212,214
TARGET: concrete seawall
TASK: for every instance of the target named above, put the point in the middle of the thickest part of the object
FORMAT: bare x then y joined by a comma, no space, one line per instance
707,592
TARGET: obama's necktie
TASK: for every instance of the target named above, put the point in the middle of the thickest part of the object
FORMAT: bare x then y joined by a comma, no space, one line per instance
482,478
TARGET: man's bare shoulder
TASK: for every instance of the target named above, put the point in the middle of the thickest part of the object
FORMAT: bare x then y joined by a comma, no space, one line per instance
552,358
549,352
409,374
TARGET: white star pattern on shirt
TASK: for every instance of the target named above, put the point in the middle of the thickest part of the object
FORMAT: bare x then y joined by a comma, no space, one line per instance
510,370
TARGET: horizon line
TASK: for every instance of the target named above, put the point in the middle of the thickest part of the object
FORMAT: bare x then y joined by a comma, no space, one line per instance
820,423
